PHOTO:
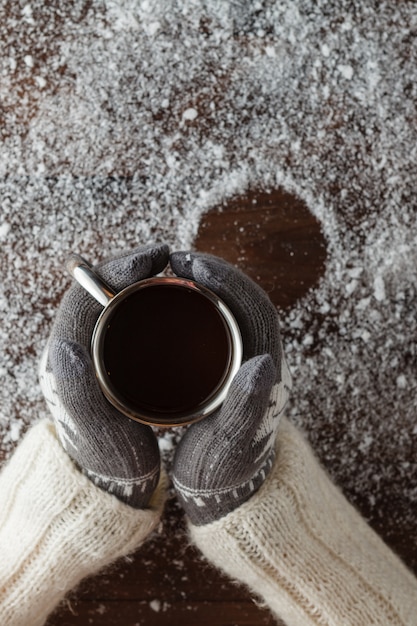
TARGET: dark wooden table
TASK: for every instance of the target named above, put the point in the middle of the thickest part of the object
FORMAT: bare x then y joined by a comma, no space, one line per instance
274,238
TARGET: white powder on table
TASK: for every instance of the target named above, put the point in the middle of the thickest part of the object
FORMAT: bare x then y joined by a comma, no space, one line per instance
123,122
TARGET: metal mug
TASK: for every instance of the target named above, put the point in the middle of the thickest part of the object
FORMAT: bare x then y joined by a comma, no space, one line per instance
120,331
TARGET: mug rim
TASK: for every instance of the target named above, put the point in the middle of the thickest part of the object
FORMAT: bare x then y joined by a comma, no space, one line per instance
214,400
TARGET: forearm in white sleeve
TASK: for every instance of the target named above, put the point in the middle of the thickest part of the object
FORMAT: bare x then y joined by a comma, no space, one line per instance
300,546
57,527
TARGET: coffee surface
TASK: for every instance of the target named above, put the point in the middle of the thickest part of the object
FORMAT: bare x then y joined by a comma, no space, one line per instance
166,350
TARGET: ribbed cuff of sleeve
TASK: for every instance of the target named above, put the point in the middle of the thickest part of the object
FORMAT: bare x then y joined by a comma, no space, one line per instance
300,546
57,527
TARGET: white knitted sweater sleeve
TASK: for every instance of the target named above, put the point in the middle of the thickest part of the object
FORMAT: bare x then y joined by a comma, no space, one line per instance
56,528
300,546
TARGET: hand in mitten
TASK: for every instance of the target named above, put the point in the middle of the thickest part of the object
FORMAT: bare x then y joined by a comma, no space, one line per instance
224,459
118,454
291,536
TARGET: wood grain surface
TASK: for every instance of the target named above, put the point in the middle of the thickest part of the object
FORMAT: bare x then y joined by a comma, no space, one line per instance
274,238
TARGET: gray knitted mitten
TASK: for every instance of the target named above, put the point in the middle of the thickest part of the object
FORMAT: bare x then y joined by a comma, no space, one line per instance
224,459
118,454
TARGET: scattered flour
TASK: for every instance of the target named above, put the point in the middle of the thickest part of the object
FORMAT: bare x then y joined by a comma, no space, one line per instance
159,606
155,605
122,122
4,229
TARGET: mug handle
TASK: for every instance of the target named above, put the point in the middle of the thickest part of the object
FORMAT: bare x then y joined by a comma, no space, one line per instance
84,274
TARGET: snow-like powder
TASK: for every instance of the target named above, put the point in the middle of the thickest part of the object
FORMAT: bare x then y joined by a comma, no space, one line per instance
123,122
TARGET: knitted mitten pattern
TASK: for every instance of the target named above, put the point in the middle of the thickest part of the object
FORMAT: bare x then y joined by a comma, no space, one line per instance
300,546
222,460
56,527
118,454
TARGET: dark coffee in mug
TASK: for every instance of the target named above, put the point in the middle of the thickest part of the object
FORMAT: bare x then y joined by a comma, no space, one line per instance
166,351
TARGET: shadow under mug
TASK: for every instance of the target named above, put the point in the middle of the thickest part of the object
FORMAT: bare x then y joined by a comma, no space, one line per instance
165,349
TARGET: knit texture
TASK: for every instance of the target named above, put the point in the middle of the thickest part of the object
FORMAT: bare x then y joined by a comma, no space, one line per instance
118,454
300,546
255,314
224,459
221,461
56,528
